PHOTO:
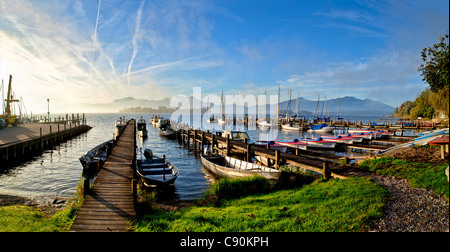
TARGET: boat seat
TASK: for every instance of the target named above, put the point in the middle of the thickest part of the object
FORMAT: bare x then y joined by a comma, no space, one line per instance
157,172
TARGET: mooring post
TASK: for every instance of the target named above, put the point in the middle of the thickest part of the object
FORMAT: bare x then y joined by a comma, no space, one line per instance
326,172
249,152
195,142
228,145
277,159
213,138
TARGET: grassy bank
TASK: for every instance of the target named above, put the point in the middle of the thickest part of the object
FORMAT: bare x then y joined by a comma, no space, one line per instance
420,175
323,206
20,218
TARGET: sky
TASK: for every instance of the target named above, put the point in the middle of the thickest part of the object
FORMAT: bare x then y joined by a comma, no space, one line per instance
89,51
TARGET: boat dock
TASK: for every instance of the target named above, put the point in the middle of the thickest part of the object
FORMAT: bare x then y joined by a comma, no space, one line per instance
109,202
25,141
308,160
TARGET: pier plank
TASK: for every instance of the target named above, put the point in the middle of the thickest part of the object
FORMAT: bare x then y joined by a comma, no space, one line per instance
110,204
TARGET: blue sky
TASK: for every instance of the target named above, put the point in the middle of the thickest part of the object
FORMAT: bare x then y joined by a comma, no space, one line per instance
88,51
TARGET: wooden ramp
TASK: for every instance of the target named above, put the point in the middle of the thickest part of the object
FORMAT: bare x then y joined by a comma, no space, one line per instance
109,206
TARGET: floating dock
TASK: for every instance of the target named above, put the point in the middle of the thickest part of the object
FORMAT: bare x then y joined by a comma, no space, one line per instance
109,204
25,141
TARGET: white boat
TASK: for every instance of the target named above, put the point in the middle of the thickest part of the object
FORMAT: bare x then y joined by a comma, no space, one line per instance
290,127
318,143
230,167
119,126
236,135
294,143
264,124
222,120
161,122
142,128
354,138
321,128
339,139
272,145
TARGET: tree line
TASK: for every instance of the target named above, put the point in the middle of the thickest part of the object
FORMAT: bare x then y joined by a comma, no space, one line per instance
434,100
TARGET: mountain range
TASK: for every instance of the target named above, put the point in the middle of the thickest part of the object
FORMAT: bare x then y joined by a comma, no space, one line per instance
344,106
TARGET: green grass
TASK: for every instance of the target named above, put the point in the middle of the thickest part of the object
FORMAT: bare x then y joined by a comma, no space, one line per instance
323,206
19,218
419,175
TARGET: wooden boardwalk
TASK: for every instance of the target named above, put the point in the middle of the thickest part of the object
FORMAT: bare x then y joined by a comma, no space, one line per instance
18,144
110,205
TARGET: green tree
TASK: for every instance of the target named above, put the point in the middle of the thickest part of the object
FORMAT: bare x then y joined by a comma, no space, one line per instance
422,106
435,67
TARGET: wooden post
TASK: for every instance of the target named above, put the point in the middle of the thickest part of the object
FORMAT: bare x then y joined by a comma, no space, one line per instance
187,138
203,142
326,172
277,159
228,145
213,138
86,188
249,152
195,142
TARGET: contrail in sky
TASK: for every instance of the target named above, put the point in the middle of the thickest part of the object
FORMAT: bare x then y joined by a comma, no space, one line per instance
95,31
135,38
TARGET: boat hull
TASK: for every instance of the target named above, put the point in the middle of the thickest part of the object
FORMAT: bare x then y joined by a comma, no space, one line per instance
216,166
156,172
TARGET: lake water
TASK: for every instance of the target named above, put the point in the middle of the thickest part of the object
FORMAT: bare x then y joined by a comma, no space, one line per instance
56,172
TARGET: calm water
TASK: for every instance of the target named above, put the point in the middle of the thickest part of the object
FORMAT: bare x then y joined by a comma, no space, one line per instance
56,172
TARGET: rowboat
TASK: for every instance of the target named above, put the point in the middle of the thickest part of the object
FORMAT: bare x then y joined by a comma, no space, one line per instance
155,171
318,143
168,133
354,138
339,139
321,128
94,159
294,143
272,145
221,166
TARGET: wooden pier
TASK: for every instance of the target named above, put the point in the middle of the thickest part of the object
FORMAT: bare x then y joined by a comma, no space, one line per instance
308,160
109,203
18,144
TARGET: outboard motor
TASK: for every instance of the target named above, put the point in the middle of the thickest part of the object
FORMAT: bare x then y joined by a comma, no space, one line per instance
206,151
148,154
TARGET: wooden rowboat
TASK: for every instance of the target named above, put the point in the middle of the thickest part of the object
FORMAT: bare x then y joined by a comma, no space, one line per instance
221,166
155,171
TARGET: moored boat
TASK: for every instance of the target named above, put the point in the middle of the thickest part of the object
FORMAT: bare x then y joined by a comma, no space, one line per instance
119,126
318,143
294,143
142,128
339,139
230,167
236,135
94,159
290,127
155,171
272,145
166,132
321,128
